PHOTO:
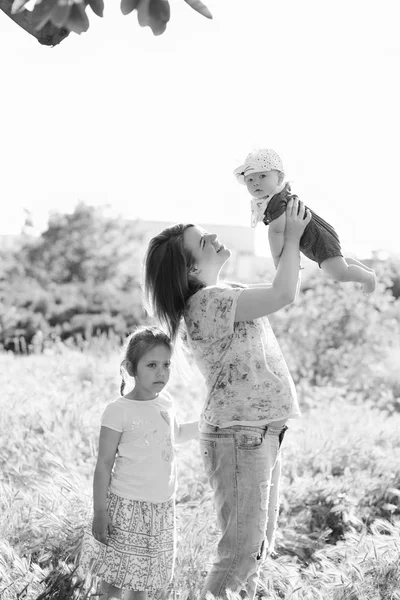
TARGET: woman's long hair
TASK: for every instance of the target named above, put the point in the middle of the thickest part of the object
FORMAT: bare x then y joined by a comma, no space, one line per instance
167,282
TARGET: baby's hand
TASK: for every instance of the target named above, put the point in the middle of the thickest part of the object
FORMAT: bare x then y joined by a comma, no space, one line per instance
297,219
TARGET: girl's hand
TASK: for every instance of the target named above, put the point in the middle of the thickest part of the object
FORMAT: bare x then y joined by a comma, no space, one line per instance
297,219
101,526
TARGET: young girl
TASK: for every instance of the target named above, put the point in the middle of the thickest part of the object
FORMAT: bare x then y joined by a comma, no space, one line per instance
263,175
133,503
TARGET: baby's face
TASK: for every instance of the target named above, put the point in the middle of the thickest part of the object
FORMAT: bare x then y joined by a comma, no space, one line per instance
262,184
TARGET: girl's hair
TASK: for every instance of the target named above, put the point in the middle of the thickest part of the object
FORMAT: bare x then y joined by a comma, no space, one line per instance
138,343
167,282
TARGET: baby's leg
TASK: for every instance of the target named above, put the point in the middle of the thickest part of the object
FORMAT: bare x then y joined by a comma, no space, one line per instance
353,261
337,268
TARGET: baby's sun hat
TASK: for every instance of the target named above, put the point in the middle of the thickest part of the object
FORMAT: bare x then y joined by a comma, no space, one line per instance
264,159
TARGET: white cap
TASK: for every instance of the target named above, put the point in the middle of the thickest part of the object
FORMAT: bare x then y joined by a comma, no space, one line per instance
258,161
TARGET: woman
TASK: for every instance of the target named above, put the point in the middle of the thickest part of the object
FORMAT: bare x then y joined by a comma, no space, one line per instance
251,394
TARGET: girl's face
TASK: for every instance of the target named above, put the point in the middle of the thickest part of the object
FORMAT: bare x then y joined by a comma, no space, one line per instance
152,372
262,184
206,249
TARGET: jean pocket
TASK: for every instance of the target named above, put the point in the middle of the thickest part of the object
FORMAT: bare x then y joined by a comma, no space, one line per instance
250,441
207,448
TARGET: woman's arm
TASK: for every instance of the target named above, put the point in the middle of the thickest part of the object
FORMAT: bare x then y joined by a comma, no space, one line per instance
247,285
269,285
254,303
276,237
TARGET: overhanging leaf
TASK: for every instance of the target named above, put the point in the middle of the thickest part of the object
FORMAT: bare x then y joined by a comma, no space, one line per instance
201,8
60,13
97,7
61,16
127,6
78,21
159,13
18,5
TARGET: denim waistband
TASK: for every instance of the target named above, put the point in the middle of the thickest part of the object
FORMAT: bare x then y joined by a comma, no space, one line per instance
264,429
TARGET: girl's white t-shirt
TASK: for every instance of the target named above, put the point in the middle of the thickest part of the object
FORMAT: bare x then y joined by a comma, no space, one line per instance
145,464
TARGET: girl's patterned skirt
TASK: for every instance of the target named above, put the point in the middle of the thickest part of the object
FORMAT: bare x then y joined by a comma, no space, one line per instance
140,552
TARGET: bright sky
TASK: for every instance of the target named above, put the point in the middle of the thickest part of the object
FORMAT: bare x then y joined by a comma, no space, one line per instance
155,126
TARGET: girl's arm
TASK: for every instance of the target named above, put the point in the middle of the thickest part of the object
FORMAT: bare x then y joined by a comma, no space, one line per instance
276,230
108,444
186,431
254,303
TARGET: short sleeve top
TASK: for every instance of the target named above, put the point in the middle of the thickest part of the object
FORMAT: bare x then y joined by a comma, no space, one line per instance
275,207
145,465
319,240
247,378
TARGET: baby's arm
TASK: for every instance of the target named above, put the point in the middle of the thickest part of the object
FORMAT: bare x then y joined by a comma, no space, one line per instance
186,431
276,238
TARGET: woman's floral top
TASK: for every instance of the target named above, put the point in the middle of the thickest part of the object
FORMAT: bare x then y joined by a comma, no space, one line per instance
247,377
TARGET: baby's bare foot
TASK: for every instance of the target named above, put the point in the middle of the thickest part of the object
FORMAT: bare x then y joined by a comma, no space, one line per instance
370,284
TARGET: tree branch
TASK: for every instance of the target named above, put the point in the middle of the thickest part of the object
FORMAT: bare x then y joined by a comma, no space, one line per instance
49,35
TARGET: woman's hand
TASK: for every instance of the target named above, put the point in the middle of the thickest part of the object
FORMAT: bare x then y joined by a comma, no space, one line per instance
297,219
101,526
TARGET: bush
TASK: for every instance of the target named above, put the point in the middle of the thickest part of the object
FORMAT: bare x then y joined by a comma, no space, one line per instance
76,279
334,335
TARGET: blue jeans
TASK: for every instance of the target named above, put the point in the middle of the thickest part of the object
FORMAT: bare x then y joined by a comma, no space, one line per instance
243,467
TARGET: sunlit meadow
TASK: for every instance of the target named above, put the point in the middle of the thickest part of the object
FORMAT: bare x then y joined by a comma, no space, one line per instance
339,527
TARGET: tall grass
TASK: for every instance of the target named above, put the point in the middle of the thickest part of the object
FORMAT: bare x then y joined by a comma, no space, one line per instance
339,531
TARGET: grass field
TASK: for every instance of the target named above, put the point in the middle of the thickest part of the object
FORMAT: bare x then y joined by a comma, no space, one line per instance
339,527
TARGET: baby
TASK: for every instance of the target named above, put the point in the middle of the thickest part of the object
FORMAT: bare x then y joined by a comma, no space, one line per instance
264,177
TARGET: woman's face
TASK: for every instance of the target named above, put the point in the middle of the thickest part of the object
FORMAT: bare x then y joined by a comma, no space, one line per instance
205,248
